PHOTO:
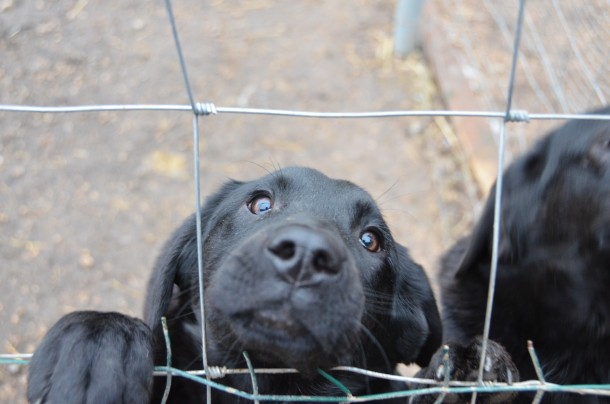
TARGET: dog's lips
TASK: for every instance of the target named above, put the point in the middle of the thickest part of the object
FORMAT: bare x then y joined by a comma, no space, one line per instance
271,322
276,333
272,319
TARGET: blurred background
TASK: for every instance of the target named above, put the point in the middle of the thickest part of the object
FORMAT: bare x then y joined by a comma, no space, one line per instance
87,199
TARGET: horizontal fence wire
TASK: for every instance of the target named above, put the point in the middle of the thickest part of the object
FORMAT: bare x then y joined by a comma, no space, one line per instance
430,387
210,109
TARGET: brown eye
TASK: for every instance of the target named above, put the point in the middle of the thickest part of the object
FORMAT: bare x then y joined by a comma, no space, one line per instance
370,241
260,205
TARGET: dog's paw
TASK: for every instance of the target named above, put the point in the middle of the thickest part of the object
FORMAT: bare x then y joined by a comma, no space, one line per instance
462,362
93,357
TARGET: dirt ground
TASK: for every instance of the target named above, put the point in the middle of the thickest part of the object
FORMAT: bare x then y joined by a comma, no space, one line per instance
87,199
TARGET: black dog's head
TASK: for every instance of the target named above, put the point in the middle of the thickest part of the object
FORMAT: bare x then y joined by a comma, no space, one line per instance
300,270
556,202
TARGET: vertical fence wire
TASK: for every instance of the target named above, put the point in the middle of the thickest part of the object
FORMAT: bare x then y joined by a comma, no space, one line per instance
197,183
498,195
168,360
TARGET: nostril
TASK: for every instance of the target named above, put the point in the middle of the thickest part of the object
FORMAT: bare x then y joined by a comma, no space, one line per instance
285,249
322,261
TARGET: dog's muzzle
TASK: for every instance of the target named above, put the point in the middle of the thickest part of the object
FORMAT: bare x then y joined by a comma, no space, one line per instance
305,257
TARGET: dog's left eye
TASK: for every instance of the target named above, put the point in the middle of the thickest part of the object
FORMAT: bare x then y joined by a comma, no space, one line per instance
370,241
260,205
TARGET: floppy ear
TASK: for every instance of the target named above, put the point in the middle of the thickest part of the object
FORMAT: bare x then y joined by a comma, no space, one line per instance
176,265
523,184
415,318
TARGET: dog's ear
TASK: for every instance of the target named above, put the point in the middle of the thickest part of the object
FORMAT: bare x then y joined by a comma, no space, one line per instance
415,318
176,266
522,193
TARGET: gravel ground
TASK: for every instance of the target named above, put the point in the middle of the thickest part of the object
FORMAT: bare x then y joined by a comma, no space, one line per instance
87,199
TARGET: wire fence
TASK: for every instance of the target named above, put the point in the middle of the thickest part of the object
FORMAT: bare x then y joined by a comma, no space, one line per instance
209,374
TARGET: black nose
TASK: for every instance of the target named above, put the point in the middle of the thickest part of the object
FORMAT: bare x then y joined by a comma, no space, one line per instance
303,255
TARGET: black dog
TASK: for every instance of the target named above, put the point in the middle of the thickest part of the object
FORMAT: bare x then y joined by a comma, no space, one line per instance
299,270
553,280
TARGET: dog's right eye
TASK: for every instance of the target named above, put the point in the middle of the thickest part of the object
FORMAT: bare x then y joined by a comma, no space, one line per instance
260,205
370,241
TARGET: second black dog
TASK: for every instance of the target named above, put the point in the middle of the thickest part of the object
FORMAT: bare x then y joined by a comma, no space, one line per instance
553,281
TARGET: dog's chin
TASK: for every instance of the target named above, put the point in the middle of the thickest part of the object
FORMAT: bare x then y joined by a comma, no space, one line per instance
275,340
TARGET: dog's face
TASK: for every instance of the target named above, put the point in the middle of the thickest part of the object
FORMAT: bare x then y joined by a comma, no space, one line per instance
301,270
556,202
281,254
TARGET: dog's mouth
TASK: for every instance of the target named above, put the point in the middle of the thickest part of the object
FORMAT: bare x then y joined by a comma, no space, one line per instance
278,338
272,320
271,325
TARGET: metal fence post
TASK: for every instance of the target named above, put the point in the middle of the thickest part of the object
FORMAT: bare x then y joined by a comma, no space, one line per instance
406,26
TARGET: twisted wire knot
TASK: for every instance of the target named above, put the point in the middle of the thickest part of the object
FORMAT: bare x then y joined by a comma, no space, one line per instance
216,372
205,108
517,116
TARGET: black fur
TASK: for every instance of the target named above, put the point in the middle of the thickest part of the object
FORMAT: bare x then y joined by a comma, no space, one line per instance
252,305
554,261
299,271
92,357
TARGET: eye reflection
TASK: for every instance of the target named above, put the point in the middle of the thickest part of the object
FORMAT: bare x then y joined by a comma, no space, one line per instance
260,205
